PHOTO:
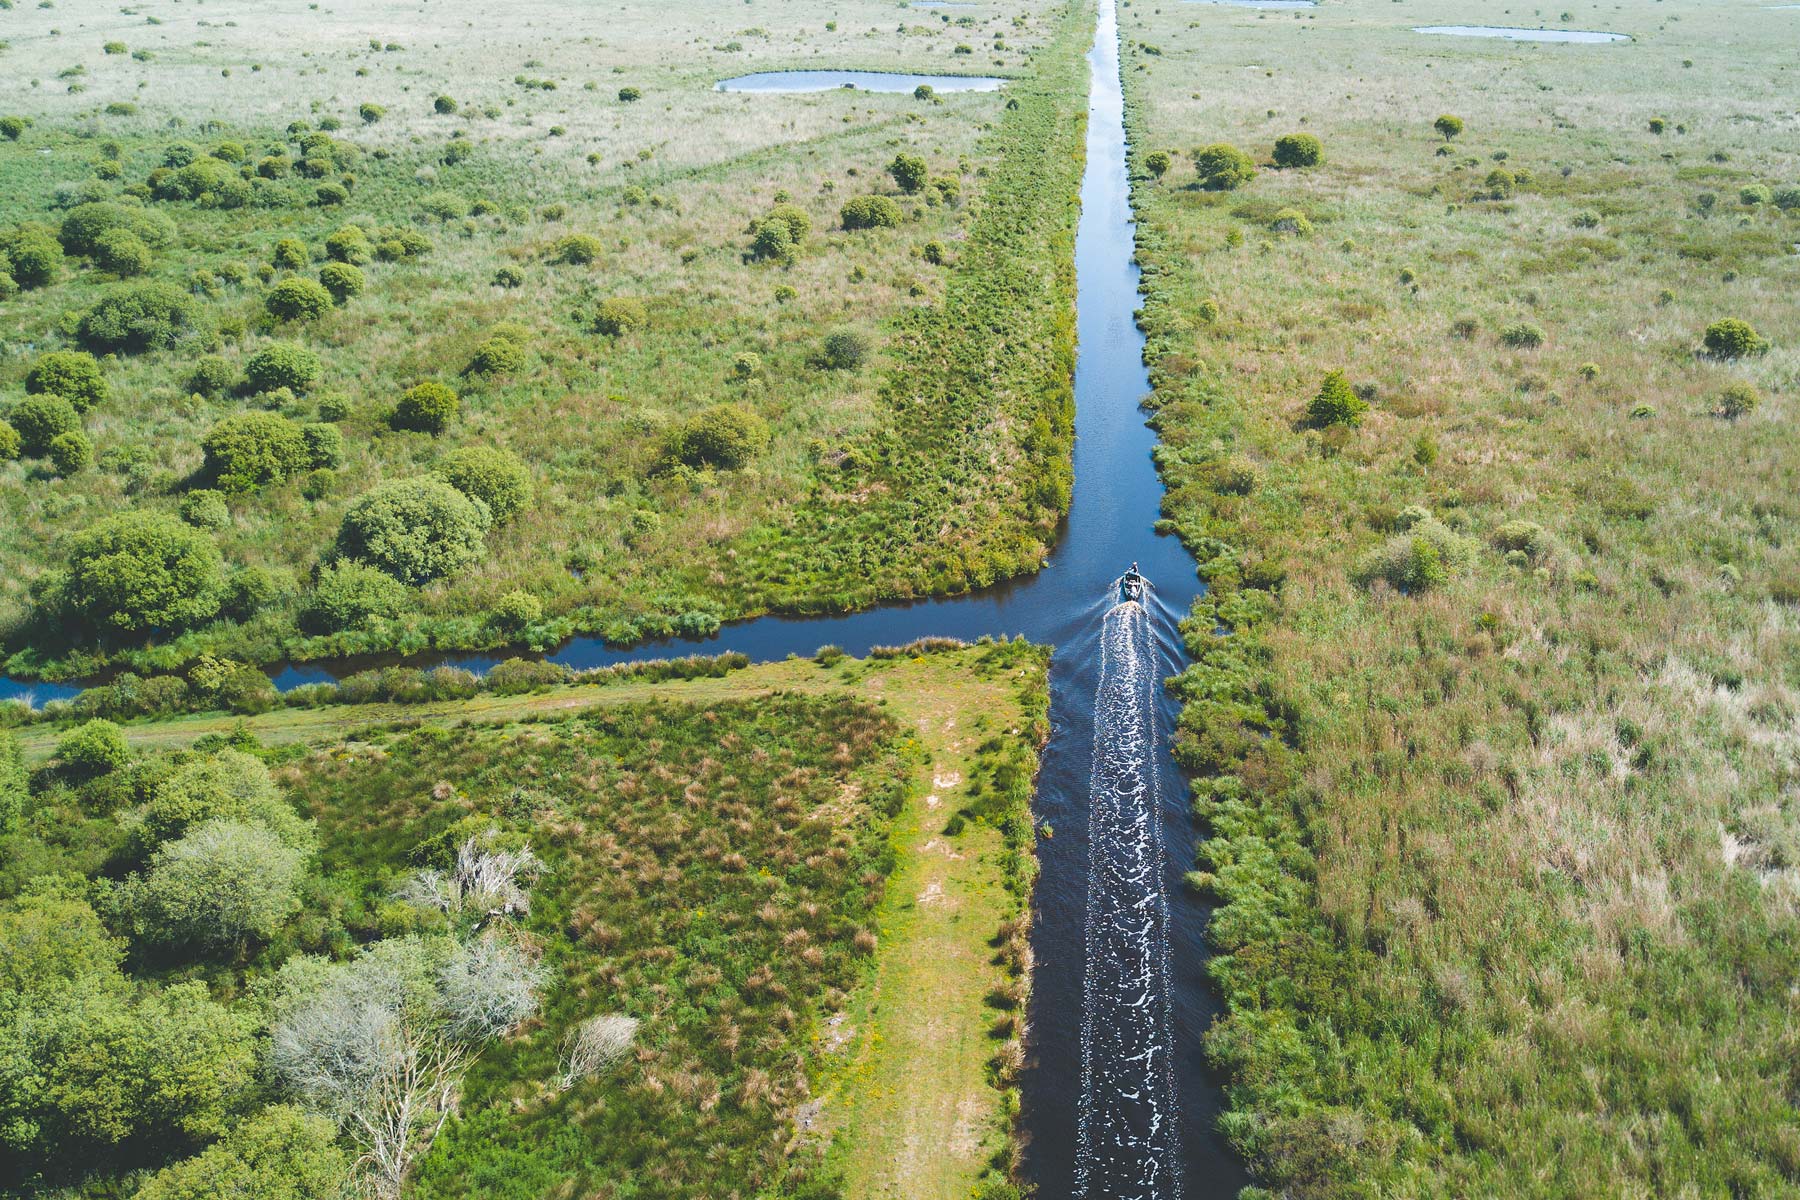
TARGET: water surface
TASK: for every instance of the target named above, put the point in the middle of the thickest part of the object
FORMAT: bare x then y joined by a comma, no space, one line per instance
1259,3
1522,35
866,81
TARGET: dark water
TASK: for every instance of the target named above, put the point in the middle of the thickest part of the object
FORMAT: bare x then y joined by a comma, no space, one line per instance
867,81
1118,1103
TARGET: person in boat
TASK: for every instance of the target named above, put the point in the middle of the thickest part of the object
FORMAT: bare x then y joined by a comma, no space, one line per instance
1131,584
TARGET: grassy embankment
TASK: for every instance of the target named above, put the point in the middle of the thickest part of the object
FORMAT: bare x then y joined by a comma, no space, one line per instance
1493,710
952,435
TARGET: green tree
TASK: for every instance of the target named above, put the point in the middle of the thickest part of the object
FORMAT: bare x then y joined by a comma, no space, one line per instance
342,280
281,1153
216,887
252,450
576,249
870,212
290,254
443,106
725,435
1336,403
348,244
136,572
35,255
15,783
1450,126
298,300
1222,167
1157,162
1298,150
11,444
619,315
40,420
228,785
94,748
495,477
72,374
415,529
845,349
348,595
1731,337
135,317
282,365
426,407
70,452
909,172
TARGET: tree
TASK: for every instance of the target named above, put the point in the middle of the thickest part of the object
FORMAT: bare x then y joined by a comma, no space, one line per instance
282,365
11,445
1738,400
1729,338
443,106
870,212
845,349
1448,126
15,783
725,435
772,240
72,374
489,879
426,407
135,317
349,595
70,452
13,128
138,571
94,748
1222,167
84,225
216,887
40,420
371,113
342,280
252,450
909,172
35,254
298,300
619,315
630,94
415,529
1336,403
1157,163
495,477
348,244
1298,150
497,356
281,1153
226,786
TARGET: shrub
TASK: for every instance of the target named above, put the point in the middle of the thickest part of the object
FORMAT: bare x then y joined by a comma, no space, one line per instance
324,445
725,435
1298,150
399,245
371,113
746,365
1525,537
217,886
251,450
1336,403
95,748
331,195
1733,338
290,254
1738,400
425,407
1424,557
122,252
72,374
443,106
1157,162
629,94
298,300
13,128
909,172
136,572
41,420
83,226
1292,220
1752,195
1787,199
342,280
1222,167
205,508
495,477
509,277
347,244
445,206
348,595
282,365
870,212
1522,335
577,249
497,356
132,318
515,610
619,315
10,442
795,218
772,240
415,529
70,452
1448,126
35,254
845,349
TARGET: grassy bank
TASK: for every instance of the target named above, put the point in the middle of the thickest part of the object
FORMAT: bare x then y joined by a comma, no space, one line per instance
1491,710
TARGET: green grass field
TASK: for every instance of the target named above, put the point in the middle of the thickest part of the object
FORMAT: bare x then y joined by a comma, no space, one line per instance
1493,711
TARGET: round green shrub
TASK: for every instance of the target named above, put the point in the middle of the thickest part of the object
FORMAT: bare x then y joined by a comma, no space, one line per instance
619,315
290,254
1738,400
497,356
1292,220
342,280
1222,167
95,748
251,450
298,300
1298,150
772,240
72,374
324,445
509,277
445,206
42,419
415,529
515,610
747,365
845,349
495,477
870,212
725,435
1336,403
425,407
13,128
331,195
371,113
70,452
348,595
443,106
137,571
1157,162
1426,556
1730,337
630,94
35,254
122,252
576,249
83,225
135,317
282,365
11,444
1448,126
348,244
205,508
180,154
1522,335
1787,199
909,172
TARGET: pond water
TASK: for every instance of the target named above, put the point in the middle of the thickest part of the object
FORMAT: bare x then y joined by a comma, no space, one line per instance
1522,35
866,81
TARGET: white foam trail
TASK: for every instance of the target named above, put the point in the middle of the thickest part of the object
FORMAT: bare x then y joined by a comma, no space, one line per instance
1129,1146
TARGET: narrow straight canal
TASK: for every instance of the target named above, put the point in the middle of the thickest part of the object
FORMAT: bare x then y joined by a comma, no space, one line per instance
1118,1103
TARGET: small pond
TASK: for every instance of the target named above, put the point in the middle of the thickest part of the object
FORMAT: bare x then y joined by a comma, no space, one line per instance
1522,35
867,81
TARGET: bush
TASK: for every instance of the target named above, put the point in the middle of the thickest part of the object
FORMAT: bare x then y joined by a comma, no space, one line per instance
1336,403
331,195
443,106
324,446
795,218
445,206
497,356
85,224
495,477
425,407
70,452
122,252
13,128
205,508
40,420
619,315
290,254
415,529
577,249
1733,338
251,450
136,572
909,172
72,374
347,244
215,887
371,113
725,435
282,365
96,748
1157,162
1448,126
1752,195
1424,557
35,254
349,595
342,280
1291,220
515,610
1298,150
509,277
10,442
870,212
845,349
211,376
772,240
1738,400
1522,335
1222,167
298,300
629,94
1787,199
279,1153
133,318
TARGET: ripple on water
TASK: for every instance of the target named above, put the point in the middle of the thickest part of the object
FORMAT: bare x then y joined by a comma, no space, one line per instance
865,81
1522,35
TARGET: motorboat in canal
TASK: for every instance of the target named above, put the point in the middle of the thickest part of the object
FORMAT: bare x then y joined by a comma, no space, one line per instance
1132,585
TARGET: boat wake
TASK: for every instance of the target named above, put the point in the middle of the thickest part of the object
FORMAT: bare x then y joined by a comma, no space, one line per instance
1129,1147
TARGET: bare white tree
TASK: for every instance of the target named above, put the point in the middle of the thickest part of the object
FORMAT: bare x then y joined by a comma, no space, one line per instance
487,882
595,1046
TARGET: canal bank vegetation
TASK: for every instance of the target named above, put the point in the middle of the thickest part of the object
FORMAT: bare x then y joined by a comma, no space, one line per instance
448,344
713,933
1491,716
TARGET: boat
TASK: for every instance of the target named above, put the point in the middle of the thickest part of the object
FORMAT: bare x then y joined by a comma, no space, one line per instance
1132,585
